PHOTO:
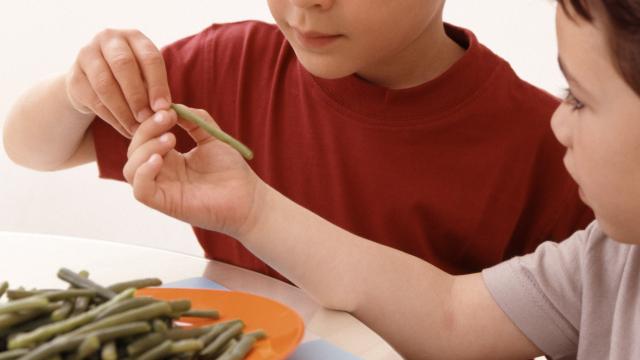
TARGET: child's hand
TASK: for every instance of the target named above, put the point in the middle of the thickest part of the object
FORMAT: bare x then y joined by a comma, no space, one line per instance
121,77
211,186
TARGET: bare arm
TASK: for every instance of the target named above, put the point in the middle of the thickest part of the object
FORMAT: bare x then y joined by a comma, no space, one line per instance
119,76
420,310
44,132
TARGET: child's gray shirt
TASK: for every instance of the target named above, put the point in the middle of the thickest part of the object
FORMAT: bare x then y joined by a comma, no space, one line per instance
577,299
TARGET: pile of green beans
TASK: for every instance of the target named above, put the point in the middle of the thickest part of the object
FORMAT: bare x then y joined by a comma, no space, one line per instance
91,321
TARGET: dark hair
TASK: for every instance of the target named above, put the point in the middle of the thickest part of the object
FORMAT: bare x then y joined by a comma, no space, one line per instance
623,26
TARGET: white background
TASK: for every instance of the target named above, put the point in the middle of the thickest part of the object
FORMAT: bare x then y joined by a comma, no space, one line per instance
38,38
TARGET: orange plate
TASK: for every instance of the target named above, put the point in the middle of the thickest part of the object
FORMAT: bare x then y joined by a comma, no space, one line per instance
283,326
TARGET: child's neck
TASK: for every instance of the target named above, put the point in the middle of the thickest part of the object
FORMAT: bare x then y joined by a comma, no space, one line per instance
426,58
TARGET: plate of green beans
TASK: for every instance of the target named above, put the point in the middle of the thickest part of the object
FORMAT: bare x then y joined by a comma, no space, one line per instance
135,319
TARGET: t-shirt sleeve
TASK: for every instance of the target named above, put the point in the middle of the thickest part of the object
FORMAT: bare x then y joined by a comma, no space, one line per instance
541,293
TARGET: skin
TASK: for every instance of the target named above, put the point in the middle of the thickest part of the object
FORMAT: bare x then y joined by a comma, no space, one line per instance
435,315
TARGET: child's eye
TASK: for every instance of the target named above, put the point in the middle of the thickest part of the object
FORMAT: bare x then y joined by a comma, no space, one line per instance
573,101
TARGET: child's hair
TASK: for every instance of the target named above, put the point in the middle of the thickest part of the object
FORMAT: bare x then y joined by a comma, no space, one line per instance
623,28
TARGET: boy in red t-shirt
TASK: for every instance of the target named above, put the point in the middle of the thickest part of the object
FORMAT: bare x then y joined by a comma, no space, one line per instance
375,115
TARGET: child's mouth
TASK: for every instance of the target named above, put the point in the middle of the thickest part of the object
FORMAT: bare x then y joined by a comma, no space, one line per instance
313,39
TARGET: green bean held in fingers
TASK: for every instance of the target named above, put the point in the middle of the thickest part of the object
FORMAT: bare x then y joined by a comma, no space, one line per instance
189,115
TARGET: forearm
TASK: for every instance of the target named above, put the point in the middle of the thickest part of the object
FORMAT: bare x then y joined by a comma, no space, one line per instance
43,131
403,298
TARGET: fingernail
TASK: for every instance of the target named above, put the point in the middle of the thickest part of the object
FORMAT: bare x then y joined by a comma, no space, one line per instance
154,158
161,104
164,138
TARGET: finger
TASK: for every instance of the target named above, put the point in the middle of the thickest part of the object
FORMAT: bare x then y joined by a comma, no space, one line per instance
124,66
161,145
106,87
153,70
145,188
157,125
198,134
80,89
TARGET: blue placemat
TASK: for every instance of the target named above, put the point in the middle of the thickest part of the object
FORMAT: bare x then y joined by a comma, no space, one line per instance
321,350
310,350
195,283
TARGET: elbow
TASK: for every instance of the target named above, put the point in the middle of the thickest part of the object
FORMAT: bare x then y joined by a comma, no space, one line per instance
20,156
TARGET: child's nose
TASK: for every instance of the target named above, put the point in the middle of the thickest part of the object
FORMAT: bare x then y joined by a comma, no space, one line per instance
560,124
319,4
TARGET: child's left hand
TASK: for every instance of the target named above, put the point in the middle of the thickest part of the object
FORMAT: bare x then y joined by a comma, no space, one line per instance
211,186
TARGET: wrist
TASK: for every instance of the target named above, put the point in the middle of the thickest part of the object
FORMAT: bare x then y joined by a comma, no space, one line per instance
263,199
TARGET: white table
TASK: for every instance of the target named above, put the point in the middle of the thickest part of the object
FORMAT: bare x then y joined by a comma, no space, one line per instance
32,260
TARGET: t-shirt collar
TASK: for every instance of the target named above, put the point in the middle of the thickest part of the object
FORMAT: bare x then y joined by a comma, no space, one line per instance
458,84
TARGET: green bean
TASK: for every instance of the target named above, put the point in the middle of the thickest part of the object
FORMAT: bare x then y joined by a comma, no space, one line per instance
82,304
61,327
180,306
120,331
62,312
143,313
15,294
52,348
214,347
88,320
159,326
81,282
57,295
31,325
185,346
181,333
187,114
9,320
13,354
3,287
88,346
210,314
51,295
138,284
48,331
216,330
258,334
157,352
109,351
242,348
145,343
67,342
33,303
126,305
227,349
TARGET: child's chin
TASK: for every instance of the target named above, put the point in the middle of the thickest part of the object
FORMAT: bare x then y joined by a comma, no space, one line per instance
326,69
620,233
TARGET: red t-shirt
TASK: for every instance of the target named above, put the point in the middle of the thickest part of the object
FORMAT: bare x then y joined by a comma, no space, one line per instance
462,171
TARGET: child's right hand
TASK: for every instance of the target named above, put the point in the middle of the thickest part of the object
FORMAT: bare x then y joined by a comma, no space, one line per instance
119,76
210,187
